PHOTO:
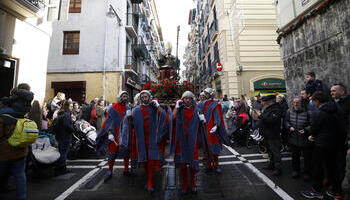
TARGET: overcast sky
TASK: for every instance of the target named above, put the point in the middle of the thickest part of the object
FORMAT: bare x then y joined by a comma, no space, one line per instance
172,13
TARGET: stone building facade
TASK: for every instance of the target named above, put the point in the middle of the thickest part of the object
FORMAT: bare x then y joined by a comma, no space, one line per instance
321,45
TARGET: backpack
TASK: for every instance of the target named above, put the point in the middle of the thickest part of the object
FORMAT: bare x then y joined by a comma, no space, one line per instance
25,133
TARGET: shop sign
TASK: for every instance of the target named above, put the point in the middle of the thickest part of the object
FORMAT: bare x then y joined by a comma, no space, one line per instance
269,83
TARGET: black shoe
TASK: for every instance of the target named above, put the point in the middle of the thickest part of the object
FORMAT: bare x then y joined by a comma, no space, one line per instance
276,172
194,190
108,177
184,192
311,194
295,174
269,167
149,190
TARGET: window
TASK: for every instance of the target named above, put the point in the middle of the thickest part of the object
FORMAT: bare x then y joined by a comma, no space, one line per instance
75,6
71,42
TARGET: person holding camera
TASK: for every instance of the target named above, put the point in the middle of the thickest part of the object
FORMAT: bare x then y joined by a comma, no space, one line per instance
184,142
109,134
297,123
269,124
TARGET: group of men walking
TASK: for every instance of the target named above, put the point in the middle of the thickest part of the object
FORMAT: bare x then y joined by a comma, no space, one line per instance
141,133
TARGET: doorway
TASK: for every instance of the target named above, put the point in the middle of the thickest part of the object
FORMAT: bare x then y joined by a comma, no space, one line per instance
8,74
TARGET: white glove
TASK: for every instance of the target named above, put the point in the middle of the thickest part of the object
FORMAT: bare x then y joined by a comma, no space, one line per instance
213,130
178,104
128,113
111,137
202,118
155,103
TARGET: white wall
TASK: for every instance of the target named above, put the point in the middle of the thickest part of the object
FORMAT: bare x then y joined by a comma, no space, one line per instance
92,23
31,47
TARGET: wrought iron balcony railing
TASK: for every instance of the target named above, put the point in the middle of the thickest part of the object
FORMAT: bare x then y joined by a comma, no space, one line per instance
131,63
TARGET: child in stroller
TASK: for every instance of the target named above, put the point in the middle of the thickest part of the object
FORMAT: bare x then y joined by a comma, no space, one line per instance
84,137
238,129
42,155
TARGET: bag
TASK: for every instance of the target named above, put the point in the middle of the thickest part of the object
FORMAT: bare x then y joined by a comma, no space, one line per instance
25,133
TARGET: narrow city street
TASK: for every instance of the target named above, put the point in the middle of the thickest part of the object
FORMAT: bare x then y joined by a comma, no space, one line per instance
242,178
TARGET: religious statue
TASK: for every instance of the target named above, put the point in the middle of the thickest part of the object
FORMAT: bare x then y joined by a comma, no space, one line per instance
169,65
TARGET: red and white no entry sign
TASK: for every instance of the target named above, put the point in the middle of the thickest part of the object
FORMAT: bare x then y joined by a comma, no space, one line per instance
219,66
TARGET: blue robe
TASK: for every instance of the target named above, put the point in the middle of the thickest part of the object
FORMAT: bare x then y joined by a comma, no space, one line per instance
114,119
188,145
156,133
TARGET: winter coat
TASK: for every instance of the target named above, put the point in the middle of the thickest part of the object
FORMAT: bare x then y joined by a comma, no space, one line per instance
344,104
100,117
313,86
20,101
284,106
326,125
299,120
65,125
270,122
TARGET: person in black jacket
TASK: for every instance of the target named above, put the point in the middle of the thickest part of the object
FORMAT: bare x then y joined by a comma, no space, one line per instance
64,135
270,127
325,132
338,92
297,123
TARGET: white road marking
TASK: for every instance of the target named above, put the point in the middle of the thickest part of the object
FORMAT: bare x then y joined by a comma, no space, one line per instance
251,155
86,160
81,181
70,190
268,181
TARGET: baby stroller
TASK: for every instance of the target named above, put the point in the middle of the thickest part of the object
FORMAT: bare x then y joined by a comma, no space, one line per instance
240,131
42,156
83,138
256,139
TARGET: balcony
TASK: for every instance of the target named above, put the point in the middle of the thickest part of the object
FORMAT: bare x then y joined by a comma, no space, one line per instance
140,51
213,30
25,8
131,65
132,24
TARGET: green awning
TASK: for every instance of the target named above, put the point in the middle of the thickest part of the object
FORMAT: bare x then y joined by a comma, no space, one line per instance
270,83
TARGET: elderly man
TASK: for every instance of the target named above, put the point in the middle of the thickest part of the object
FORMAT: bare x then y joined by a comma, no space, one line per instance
215,125
109,134
148,123
297,123
185,138
338,92
269,125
